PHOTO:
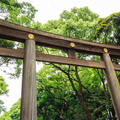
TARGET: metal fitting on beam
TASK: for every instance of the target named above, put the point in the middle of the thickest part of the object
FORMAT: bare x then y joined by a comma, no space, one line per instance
105,50
31,36
72,44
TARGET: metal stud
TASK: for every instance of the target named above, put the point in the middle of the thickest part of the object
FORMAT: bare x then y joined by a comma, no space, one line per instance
31,36
105,50
72,44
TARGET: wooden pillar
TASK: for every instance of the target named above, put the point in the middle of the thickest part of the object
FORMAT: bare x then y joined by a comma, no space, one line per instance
113,83
71,53
28,99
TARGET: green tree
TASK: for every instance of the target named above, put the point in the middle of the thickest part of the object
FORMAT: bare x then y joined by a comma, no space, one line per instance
83,25
77,24
53,95
19,13
69,92
13,113
109,29
6,116
3,91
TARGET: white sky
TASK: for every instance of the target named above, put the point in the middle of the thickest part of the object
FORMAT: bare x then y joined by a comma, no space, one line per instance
51,9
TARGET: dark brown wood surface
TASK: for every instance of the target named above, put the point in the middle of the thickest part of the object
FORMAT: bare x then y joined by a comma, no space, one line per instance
19,53
19,33
72,53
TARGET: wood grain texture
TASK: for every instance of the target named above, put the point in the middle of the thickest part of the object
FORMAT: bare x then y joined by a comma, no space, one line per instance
20,33
28,99
72,53
113,83
19,53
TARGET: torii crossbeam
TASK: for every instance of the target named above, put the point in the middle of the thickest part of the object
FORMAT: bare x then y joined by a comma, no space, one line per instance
31,38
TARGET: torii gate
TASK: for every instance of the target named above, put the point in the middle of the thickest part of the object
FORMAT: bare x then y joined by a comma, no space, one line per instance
31,37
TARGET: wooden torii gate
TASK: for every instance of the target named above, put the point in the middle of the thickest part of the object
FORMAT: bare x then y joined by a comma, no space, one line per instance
31,38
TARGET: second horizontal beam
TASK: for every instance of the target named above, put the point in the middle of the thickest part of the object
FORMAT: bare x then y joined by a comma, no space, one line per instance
19,53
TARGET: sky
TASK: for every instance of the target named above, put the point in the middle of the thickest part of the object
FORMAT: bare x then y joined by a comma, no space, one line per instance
50,10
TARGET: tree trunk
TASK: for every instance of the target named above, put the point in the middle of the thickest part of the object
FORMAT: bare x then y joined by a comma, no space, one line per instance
78,93
80,96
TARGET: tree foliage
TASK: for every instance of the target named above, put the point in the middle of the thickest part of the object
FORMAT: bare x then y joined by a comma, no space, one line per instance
19,13
13,113
3,91
89,85
78,23
70,92
109,29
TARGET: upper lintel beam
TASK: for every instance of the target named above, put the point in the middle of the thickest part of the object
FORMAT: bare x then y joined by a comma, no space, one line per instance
20,33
